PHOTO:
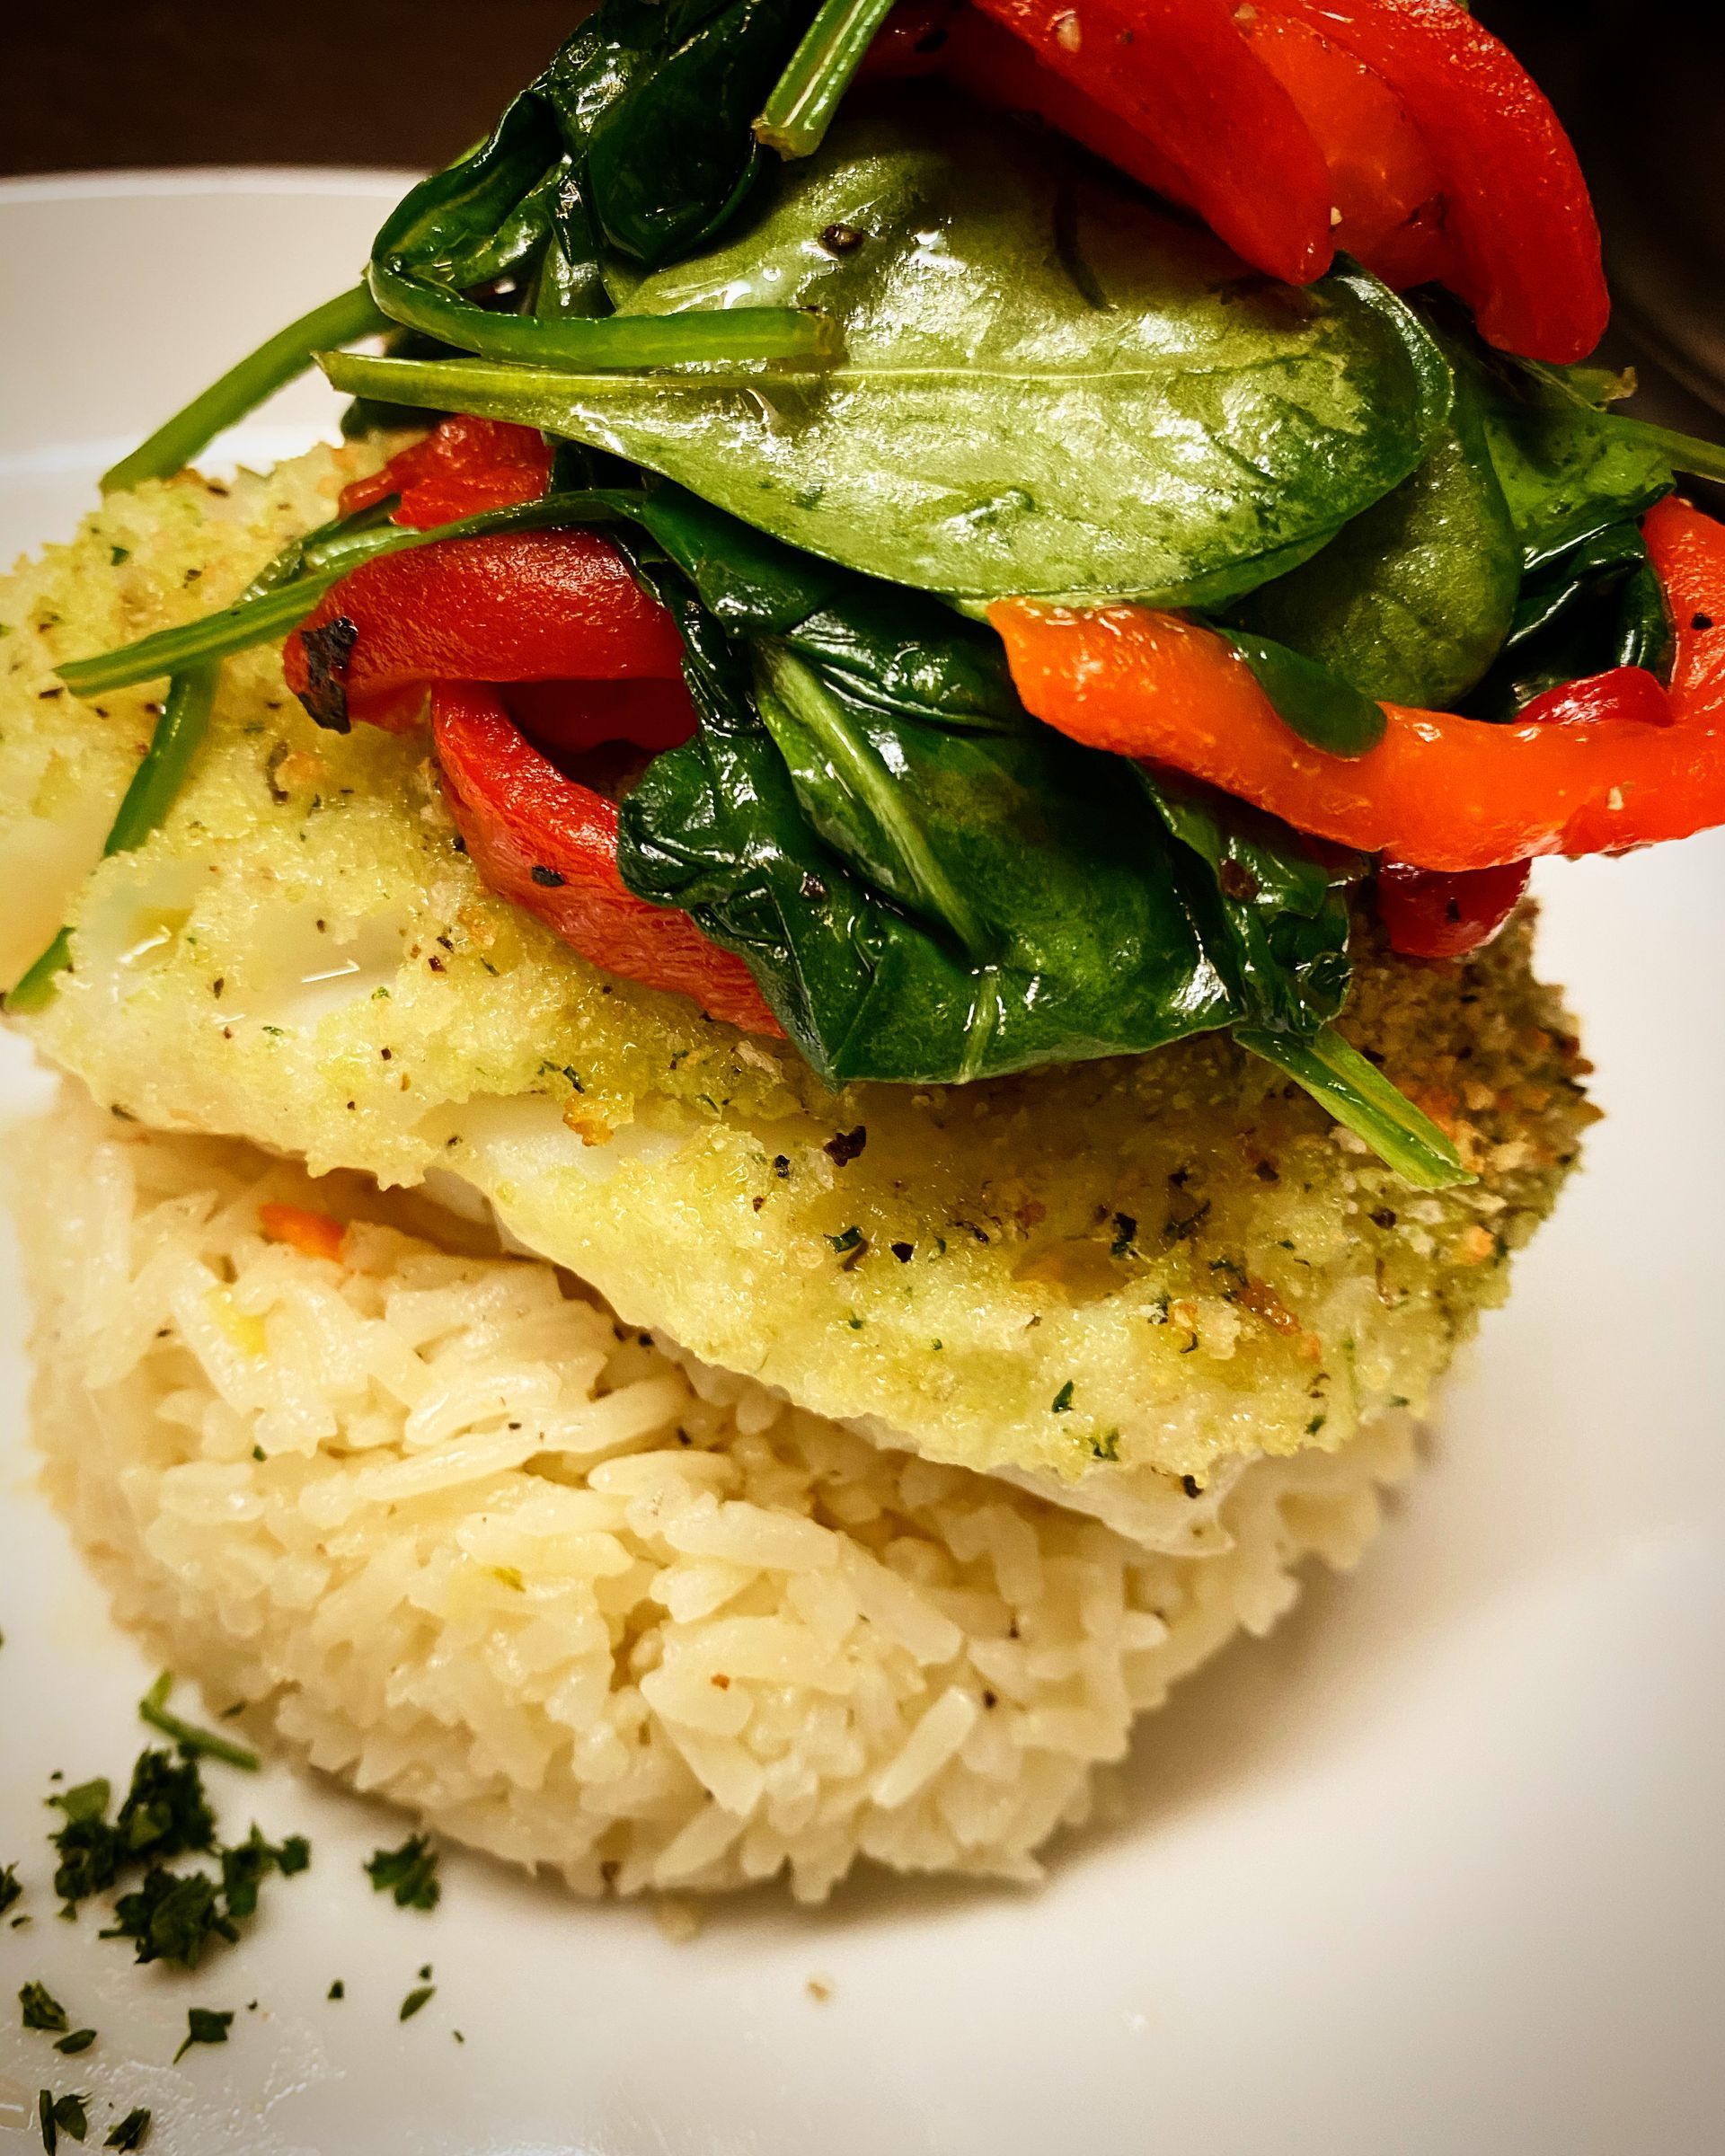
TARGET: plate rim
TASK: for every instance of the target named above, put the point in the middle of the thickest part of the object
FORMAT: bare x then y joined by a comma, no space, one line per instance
140,181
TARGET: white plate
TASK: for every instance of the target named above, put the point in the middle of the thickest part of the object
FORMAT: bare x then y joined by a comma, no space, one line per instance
1436,1870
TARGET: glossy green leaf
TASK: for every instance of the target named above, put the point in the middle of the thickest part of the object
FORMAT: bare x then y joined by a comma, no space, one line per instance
674,155
1049,386
1411,601
1273,917
1319,705
1359,1096
1567,468
930,885
638,132
1599,605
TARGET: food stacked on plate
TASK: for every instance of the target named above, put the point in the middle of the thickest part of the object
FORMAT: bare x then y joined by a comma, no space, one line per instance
807,1010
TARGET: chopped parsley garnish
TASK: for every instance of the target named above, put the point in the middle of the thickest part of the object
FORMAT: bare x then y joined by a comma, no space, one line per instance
249,1864
850,1240
81,2039
132,2131
415,1999
204,2025
1062,1398
10,1889
169,1916
338,1990
61,2115
410,1873
40,2009
88,1846
195,1743
164,1814
172,1916
1106,1448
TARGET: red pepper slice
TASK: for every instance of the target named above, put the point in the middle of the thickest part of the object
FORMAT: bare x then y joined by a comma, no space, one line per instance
1183,76
990,65
568,718
910,42
1687,550
513,606
1399,130
1525,247
464,465
1383,183
1427,915
550,845
1582,770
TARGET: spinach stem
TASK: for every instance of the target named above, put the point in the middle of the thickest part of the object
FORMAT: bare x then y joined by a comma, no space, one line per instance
270,608
1684,452
1359,1096
196,1742
796,116
181,727
244,387
605,340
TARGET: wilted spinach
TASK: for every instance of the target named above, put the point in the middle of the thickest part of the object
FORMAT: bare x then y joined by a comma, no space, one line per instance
1568,467
927,884
1049,386
1412,600
1596,606
635,138
1320,705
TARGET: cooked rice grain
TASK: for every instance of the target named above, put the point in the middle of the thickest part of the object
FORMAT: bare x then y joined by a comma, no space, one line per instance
470,1544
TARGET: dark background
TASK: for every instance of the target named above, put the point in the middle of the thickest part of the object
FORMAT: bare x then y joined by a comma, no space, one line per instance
407,82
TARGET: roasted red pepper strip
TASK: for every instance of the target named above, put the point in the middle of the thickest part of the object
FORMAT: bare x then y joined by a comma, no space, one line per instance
910,42
1383,183
550,845
567,718
464,465
516,606
1433,916
1525,245
990,65
1183,76
1582,770
1381,180
1688,552
1429,916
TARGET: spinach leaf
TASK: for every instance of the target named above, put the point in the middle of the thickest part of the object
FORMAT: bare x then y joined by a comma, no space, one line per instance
672,155
1359,1097
1271,907
1599,605
1319,705
1411,601
918,902
928,885
1049,386
1568,469
637,136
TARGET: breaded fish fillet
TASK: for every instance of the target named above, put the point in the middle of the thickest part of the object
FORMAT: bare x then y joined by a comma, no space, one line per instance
1117,1275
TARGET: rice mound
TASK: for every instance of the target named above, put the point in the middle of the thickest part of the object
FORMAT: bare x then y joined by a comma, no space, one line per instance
465,1542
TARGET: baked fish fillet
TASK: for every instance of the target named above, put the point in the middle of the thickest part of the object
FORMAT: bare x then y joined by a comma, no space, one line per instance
1104,1279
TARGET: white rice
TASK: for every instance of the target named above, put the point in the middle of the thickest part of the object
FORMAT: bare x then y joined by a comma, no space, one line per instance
465,1542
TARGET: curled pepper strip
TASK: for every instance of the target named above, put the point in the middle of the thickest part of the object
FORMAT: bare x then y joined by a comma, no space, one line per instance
1525,242
463,466
1183,76
550,845
554,605
1399,130
1604,763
